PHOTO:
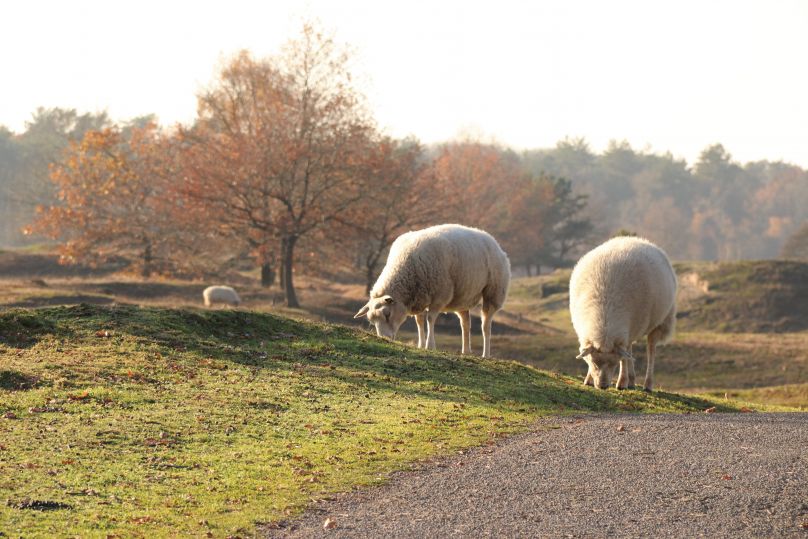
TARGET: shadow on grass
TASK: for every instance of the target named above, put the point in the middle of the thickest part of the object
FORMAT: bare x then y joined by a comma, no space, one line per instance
66,299
266,341
16,381
23,329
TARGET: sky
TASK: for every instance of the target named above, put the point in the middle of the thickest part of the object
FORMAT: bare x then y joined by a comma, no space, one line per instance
665,76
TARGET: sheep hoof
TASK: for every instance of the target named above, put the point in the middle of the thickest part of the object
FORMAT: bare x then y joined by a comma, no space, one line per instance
648,389
632,386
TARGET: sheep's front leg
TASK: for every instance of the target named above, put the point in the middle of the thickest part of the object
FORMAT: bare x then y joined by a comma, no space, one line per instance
465,327
588,381
420,321
431,317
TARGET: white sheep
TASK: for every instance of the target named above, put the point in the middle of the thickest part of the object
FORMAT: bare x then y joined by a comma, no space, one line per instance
220,294
439,269
621,291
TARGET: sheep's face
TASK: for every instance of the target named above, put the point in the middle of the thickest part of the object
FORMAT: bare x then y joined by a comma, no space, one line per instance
386,314
602,366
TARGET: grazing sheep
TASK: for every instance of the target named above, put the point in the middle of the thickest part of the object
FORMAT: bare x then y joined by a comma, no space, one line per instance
221,294
440,269
619,292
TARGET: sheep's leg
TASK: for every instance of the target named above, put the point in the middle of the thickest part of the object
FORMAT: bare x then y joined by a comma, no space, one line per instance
622,378
465,327
487,317
649,371
588,380
632,374
420,321
431,317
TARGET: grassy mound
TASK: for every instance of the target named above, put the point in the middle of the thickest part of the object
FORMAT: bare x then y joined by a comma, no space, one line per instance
746,297
121,420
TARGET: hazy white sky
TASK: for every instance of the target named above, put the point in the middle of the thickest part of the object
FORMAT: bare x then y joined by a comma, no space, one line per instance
665,75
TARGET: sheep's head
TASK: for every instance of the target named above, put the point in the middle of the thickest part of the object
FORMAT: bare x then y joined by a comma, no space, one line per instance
602,364
386,314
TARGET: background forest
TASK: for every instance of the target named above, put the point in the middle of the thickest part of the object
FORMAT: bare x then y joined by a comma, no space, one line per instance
285,170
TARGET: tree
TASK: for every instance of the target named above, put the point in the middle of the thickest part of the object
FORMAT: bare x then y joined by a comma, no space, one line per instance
292,129
112,200
25,158
470,179
568,228
397,198
797,244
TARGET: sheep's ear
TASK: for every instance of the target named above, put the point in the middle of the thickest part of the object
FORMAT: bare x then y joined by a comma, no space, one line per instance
625,354
363,311
388,299
585,352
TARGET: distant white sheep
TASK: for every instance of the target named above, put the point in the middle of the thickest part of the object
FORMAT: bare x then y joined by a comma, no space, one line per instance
220,294
620,291
443,268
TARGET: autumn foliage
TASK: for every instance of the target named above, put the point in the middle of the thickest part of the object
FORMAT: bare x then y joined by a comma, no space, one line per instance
284,166
112,190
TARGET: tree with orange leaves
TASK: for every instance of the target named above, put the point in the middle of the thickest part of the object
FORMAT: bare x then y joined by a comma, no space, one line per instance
277,145
398,196
112,200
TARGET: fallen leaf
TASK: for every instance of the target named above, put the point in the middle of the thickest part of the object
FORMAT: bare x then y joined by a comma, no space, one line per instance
726,477
43,409
80,397
746,410
621,428
105,333
710,410
9,415
153,442
329,524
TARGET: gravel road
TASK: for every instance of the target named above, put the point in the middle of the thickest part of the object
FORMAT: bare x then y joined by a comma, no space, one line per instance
707,475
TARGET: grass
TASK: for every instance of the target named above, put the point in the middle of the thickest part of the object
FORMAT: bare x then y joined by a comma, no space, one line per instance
792,395
747,296
149,422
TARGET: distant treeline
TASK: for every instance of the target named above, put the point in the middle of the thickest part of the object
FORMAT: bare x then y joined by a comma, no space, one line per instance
717,209
284,169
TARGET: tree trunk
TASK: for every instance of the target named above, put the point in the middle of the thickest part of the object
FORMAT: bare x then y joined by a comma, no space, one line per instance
267,275
282,275
147,261
288,266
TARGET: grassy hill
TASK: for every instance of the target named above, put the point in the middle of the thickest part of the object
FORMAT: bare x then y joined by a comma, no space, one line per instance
147,421
745,297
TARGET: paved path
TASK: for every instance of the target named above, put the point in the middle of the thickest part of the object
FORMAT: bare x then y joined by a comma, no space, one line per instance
707,475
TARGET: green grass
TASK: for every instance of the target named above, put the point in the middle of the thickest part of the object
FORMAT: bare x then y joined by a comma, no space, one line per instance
792,395
120,420
747,296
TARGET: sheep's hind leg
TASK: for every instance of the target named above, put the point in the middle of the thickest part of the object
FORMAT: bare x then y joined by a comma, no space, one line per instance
465,327
632,374
488,318
420,321
431,317
653,337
